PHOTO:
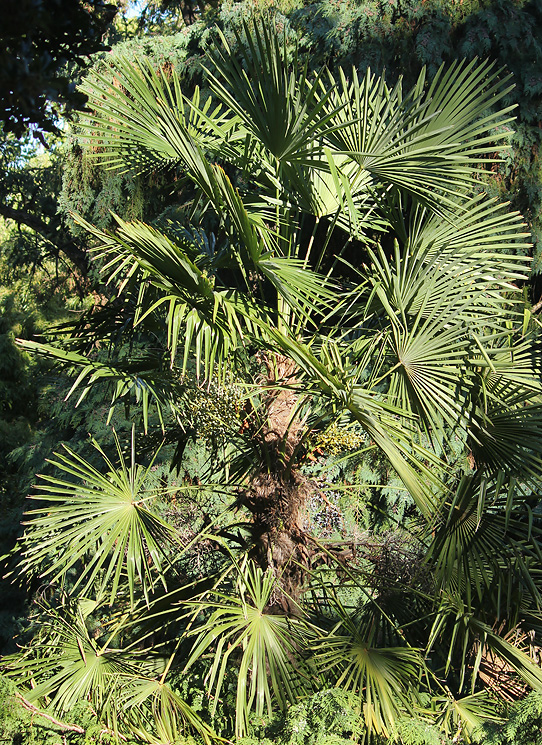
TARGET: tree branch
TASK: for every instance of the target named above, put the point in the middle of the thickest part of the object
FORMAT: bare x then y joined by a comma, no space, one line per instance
24,218
69,248
30,707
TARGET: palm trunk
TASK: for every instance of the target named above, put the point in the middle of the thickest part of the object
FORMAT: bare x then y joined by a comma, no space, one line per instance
277,496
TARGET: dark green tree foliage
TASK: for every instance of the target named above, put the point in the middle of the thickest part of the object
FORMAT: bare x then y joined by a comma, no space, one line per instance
29,190
169,15
522,726
38,40
29,393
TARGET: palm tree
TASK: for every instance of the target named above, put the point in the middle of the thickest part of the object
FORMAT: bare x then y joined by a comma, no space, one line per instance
335,233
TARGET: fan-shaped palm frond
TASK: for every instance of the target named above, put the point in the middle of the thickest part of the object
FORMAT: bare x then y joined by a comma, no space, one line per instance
241,630
148,101
201,314
483,229
481,549
414,141
280,107
463,637
100,524
507,431
143,378
384,678
65,665
485,555
459,717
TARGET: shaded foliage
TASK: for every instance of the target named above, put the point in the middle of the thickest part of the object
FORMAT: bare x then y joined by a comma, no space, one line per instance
38,41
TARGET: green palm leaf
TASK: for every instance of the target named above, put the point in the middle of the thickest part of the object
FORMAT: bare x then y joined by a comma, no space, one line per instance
241,630
385,678
456,631
151,107
156,714
480,548
101,524
66,666
142,378
506,430
420,142
458,716
279,107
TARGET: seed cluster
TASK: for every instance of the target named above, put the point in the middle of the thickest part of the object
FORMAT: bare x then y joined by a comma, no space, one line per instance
335,440
325,513
214,410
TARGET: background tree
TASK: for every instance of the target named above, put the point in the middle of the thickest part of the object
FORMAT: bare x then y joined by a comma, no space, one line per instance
29,199
43,46
38,42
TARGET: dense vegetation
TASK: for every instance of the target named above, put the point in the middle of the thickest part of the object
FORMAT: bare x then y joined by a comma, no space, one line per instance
307,352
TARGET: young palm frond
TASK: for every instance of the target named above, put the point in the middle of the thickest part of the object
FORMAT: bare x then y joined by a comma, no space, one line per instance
66,664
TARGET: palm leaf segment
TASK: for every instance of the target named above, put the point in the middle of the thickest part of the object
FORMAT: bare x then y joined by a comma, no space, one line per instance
239,625
405,140
384,678
446,313
72,666
66,665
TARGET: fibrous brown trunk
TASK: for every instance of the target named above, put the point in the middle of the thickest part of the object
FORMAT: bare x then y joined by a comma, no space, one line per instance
277,496
281,431
277,507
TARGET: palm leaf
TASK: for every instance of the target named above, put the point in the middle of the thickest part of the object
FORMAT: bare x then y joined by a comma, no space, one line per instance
384,678
418,142
458,716
101,524
156,714
457,632
264,644
65,666
480,548
279,107
137,118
